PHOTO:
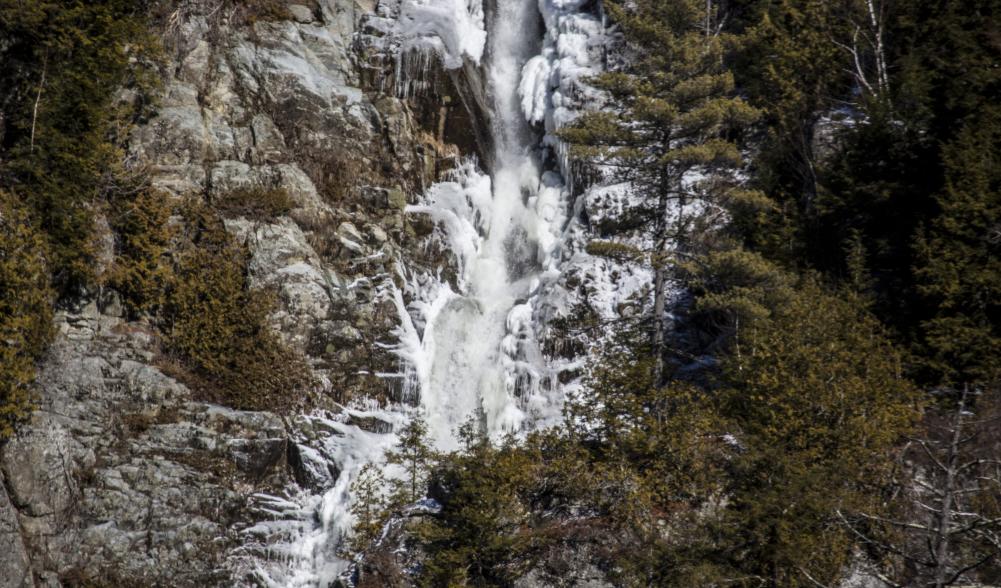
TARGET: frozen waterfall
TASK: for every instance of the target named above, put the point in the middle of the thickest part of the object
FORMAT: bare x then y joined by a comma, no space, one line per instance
470,347
477,353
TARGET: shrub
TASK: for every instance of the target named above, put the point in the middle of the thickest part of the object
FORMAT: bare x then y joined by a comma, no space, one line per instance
254,10
217,326
334,173
141,272
621,252
255,202
25,311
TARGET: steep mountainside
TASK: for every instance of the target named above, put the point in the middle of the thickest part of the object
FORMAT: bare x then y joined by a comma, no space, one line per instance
122,477
513,293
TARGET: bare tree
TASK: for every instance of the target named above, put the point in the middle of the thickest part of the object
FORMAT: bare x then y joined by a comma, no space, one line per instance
867,48
38,99
947,522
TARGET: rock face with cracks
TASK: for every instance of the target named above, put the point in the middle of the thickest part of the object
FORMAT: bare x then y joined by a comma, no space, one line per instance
122,477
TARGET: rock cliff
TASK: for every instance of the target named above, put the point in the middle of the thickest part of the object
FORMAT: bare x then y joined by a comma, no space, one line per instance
123,477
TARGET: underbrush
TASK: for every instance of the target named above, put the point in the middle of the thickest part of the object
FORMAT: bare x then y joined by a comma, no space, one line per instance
257,203
190,278
25,311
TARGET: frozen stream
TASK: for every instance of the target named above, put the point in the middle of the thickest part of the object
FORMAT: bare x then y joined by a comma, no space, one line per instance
477,352
470,348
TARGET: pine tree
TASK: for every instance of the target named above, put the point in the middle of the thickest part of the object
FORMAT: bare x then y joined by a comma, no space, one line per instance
478,538
816,394
664,129
791,66
416,456
959,263
370,508
659,456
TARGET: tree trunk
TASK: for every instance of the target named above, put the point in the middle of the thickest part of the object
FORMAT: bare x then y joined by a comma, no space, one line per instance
944,515
660,273
38,99
659,326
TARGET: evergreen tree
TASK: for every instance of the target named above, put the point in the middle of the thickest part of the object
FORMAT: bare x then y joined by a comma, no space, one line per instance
416,457
816,394
370,508
62,63
216,325
377,498
959,261
478,538
142,271
25,311
660,455
791,66
664,129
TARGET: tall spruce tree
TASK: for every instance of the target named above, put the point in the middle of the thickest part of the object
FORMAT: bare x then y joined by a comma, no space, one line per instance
664,130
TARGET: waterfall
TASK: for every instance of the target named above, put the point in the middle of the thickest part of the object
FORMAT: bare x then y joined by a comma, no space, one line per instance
469,346
478,353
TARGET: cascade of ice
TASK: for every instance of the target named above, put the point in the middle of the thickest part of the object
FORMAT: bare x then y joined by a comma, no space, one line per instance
477,350
470,348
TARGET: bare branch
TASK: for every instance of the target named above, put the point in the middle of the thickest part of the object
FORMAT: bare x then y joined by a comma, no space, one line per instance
970,567
812,580
38,98
931,456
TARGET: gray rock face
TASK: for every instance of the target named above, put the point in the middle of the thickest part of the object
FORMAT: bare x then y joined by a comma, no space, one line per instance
13,558
284,105
569,567
122,477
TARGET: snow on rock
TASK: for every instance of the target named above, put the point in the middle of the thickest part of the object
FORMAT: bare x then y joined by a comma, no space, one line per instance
451,29
553,88
535,86
471,347
461,209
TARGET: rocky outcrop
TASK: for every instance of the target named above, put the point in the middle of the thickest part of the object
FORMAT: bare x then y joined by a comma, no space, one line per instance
122,477
291,105
13,556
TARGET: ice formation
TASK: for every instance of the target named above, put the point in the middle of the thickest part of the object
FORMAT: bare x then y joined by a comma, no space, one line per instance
471,348
449,30
476,351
